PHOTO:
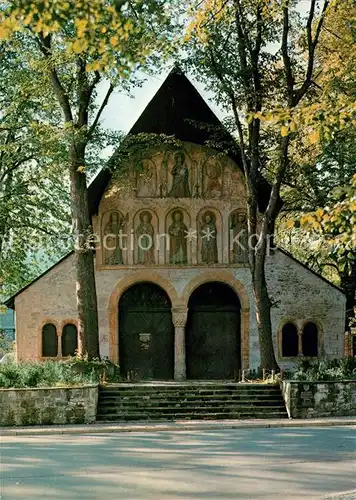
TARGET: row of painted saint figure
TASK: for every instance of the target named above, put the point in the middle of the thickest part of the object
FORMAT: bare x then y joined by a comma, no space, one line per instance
179,235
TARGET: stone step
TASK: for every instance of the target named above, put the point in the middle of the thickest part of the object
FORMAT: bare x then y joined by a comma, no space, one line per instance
188,393
189,387
192,416
124,402
197,409
188,403
187,397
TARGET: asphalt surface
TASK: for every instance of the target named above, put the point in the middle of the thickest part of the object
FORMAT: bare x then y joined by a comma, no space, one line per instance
255,463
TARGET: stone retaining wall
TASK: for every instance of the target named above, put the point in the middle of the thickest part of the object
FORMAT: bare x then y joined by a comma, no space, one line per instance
45,406
320,399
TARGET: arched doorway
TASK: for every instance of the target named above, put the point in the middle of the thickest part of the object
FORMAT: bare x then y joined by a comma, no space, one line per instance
146,333
213,339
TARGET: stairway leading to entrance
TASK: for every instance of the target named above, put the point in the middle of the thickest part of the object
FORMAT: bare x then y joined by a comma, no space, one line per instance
191,400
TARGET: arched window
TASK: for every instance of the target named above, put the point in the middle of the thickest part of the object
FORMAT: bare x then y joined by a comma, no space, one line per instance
49,341
310,340
289,340
69,340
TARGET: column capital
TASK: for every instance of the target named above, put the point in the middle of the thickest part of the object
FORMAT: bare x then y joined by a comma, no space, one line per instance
179,317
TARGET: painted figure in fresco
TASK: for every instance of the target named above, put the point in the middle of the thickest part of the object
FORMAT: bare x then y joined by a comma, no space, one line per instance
208,235
146,179
213,186
177,239
180,173
112,250
239,234
145,239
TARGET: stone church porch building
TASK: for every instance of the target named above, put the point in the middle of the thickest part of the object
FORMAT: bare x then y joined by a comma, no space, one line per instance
310,299
184,311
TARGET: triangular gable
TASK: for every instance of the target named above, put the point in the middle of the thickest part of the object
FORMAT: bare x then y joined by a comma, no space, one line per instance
177,109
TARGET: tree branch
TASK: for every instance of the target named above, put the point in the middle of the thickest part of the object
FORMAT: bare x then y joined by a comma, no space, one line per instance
312,44
45,47
101,109
286,59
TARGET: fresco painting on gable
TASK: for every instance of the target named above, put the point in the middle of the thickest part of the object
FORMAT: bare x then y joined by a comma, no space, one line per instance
238,237
177,232
145,239
208,237
212,178
113,223
161,178
146,179
180,176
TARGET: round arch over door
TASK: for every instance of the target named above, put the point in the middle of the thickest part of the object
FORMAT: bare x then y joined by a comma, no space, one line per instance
146,333
213,339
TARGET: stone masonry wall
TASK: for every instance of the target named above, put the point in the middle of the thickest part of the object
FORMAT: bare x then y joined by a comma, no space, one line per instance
320,399
45,406
298,295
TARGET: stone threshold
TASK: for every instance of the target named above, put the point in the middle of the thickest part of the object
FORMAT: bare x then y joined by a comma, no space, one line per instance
187,383
178,425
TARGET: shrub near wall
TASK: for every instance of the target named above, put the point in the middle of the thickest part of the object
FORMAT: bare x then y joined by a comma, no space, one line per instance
306,399
45,406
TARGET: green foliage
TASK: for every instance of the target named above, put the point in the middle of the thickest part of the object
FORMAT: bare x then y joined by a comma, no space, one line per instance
33,191
6,343
101,370
338,369
74,372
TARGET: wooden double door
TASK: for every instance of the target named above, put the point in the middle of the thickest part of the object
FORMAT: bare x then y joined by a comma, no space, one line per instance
146,333
213,345
212,337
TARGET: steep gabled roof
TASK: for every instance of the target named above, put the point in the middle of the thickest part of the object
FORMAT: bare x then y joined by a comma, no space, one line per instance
174,108
177,109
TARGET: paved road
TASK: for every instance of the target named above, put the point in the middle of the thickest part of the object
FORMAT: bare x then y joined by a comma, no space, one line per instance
290,464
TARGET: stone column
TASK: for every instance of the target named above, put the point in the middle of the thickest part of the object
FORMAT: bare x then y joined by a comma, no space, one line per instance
179,317
59,344
300,342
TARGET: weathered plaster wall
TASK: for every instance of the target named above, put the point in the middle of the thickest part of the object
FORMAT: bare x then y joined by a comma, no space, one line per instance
319,399
45,406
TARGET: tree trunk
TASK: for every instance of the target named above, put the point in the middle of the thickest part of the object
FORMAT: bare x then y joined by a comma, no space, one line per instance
84,258
348,284
263,308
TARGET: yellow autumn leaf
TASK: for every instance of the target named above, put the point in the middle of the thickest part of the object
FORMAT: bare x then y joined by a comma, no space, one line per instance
94,66
314,136
78,46
81,169
290,224
307,219
114,40
284,131
293,126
